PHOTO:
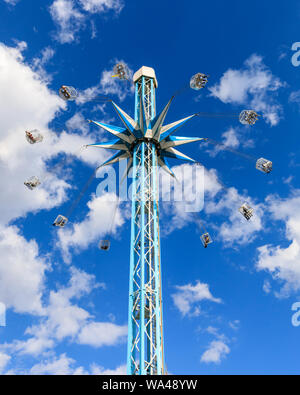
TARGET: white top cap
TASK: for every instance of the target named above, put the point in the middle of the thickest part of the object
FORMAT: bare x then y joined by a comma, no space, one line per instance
146,72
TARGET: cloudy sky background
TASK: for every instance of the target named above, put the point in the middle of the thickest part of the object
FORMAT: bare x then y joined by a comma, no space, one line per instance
227,309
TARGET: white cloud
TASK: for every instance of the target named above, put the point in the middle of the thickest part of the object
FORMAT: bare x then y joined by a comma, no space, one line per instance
22,272
230,138
68,19
218,348
79,123
236,230
295,98
63,318
267,286
254,85
73,144
4,360
183,197
98,370
39,63
233,230
11,2
235,325
107,87
99,6
62,365
188,296
82,234
216,351
25,93
99,334
283,263
33,346
70,16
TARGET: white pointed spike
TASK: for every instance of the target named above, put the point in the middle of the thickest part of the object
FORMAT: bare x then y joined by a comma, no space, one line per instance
144,121
181,140
160,120
178,153
118,159
180,123
141,117
120,135
127,169
117,146
165,167
128,118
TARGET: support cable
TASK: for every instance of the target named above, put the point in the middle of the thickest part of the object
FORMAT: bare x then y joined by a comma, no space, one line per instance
224,147
217,115
81,193
114,216
181,90
99,99
58,166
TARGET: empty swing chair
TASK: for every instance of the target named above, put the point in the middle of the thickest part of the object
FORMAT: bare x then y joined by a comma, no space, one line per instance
33,136
121,71
104,245
246,211
60,221
198,81
264,165
68,93
248,117
32,182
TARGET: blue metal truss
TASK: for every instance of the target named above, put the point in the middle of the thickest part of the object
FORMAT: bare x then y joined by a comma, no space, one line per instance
145,337
147,143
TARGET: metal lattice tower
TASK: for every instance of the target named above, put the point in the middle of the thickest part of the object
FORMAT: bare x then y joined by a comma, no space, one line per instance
147,144
145,337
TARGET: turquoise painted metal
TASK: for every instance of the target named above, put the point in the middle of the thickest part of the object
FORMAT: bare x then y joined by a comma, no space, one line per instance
147,144
145,336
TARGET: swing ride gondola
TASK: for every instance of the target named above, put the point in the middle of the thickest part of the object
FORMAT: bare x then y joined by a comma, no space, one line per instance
246,210
33,136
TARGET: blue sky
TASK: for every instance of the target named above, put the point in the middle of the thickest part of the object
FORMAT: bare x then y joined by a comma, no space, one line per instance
227,308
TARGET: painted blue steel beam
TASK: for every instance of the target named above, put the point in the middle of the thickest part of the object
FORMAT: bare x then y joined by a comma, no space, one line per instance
145,339
131,351
157,264
147,143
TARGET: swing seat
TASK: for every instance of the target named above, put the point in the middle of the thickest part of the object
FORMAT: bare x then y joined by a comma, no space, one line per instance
32,182
198,81
68,93
121,71
206,239
60,221
248,117
104,245
264,165
33,136
246,211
